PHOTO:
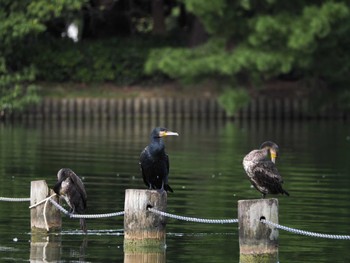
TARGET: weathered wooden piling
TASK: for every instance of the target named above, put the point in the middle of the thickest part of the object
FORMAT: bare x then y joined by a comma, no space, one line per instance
143,229
258,242
44,217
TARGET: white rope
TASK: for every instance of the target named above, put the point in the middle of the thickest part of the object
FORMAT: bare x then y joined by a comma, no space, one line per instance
303,232
64,211
193,219
10,199
42,201
44,213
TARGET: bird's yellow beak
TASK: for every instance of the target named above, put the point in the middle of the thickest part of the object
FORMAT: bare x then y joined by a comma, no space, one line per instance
168,133
273,156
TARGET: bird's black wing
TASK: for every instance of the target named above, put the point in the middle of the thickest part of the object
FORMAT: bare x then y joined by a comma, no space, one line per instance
144,158
267,177
80,186
166,185
167,165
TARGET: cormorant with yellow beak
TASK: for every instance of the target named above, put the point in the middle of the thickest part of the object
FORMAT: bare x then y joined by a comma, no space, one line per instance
262,171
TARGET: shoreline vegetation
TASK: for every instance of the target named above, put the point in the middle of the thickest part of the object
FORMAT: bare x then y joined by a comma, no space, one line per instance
72,101
232,51
277,89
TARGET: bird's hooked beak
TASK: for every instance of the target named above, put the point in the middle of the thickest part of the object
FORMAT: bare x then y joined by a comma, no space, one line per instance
273,155
167,133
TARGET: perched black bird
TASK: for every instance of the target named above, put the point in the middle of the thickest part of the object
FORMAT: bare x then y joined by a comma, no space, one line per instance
154,162
72,189
262,171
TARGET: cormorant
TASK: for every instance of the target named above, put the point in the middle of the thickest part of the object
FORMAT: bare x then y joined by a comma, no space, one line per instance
72,189
262,171
154,162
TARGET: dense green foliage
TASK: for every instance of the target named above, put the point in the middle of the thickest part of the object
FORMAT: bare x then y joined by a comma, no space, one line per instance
239,43
14,94
233,100
119,60
259,40
20,23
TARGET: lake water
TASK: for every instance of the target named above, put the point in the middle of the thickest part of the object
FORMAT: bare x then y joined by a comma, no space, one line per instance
206,174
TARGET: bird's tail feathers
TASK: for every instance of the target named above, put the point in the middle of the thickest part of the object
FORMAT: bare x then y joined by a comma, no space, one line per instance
168,188
285,192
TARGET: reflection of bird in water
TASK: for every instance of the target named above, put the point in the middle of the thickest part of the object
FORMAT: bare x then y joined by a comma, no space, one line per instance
154,162
72,189
262,171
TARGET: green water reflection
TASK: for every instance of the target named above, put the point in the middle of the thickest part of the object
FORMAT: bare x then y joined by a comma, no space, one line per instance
206,175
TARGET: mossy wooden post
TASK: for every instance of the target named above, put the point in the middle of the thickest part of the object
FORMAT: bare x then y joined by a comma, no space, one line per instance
38,192
258,242
143,229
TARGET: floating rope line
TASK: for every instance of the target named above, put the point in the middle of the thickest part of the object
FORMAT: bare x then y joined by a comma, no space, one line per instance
193,219
303,232
9,199
64,211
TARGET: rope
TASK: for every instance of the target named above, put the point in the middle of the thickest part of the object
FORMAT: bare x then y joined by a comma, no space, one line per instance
303,232
64,211
9,199
44,212
193,219
42,201
184,218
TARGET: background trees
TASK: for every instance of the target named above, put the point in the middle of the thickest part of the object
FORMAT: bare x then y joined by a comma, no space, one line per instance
237,43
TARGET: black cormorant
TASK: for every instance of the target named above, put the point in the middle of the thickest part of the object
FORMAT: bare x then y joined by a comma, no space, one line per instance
262,171
154,162
72,189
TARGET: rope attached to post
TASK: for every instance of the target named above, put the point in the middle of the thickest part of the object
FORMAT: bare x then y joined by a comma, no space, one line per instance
42,201
193,219
303,232
64,211
184,218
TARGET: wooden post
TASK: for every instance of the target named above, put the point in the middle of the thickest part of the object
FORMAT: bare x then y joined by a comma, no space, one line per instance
144,229
38,192
258,242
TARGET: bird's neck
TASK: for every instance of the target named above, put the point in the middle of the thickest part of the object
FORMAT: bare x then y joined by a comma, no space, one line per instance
157,146
265,153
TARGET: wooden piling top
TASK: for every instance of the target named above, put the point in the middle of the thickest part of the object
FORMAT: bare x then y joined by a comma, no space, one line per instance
142,228
256,237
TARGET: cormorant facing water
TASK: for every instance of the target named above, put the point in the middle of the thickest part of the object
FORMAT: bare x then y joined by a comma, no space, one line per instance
262,171
154,162
72,189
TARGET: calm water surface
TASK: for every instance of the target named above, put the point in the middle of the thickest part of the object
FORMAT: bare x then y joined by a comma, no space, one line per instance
206,174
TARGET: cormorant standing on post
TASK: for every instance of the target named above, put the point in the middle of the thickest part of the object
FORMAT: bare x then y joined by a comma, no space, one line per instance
262,171
72,189
154,162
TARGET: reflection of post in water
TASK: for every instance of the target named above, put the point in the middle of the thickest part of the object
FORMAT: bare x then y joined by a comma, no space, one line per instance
145,257
81,253
45,248
258,242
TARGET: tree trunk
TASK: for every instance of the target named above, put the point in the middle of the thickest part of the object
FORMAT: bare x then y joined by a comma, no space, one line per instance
158,17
